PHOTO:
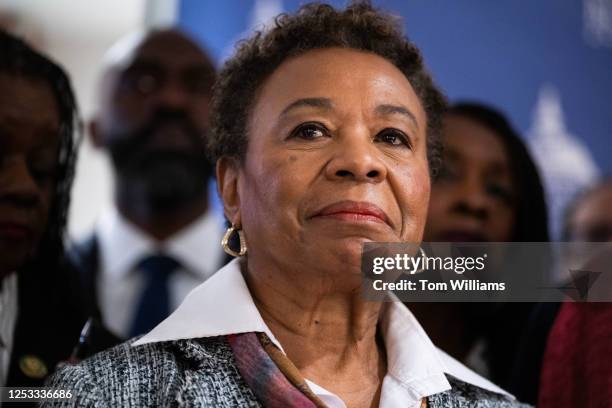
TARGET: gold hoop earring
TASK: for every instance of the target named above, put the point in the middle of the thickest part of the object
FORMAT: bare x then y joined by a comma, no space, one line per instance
225,242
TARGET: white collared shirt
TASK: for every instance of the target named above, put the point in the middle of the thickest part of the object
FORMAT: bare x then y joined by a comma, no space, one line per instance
122,245
8,318
415,367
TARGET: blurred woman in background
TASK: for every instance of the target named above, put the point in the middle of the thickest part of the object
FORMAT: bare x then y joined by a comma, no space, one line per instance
488,190
39,314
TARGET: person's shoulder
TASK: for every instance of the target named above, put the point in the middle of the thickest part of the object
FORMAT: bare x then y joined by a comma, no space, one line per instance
107,377
464,395
130,360
152,374
126,354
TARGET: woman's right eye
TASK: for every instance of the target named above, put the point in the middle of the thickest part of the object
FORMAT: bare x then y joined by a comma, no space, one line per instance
309,131
42,172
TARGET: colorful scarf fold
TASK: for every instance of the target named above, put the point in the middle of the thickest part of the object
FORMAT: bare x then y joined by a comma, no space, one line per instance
275,381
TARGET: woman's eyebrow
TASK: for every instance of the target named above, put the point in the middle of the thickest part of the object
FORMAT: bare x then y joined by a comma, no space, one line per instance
386,109
321,103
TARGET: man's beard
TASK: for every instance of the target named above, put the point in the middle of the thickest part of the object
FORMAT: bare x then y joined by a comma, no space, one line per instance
161,179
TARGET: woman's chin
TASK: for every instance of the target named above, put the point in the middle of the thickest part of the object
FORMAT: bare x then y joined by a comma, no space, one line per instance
13,255
341,256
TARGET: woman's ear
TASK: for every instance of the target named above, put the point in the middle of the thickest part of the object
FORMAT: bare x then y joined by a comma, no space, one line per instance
227,183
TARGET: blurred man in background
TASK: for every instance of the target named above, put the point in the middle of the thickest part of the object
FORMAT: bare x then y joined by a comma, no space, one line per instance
160,239
40,312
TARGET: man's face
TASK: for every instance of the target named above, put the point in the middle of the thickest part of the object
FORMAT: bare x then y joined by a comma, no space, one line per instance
154,118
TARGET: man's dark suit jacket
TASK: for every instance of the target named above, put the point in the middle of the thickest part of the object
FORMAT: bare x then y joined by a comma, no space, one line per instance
85,257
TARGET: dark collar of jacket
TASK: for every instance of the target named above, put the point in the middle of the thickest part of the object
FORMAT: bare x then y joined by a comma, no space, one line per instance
85,259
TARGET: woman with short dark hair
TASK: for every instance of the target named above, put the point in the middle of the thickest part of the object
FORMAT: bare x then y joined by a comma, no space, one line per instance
324,136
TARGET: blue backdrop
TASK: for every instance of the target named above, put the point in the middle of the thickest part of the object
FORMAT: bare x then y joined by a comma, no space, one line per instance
502,52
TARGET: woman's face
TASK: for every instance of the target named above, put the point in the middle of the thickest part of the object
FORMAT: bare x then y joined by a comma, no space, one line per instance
336,157
473,197
29,139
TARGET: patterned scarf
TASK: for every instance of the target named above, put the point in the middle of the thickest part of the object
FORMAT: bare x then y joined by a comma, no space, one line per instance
275,381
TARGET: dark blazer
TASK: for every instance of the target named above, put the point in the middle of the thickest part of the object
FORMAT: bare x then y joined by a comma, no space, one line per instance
525,378
197,373
49,319
84,257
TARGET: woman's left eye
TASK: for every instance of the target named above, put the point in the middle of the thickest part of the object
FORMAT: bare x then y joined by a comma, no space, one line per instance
500,192
394,137
309,131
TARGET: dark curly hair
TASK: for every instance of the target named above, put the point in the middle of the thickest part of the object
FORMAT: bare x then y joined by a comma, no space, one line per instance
314,26
20,60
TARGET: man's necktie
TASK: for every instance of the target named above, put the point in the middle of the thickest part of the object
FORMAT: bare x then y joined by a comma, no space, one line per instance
154,303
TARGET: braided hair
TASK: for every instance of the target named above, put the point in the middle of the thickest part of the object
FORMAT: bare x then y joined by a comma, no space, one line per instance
18,59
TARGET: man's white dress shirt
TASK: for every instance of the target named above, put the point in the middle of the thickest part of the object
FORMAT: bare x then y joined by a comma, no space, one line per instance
415,367
8,318
122,246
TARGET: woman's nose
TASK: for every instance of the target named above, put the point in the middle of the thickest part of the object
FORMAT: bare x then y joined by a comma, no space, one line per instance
173,95
356,159
472,200
17,183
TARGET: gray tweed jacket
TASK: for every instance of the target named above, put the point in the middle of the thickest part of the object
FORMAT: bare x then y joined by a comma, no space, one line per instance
195,373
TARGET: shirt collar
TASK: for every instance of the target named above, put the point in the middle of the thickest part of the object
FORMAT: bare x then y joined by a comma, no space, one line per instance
230,307
123,245
223,305
8,310
414,363
198,246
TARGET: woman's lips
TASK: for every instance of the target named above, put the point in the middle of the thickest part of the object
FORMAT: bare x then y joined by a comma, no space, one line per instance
12,230
354,211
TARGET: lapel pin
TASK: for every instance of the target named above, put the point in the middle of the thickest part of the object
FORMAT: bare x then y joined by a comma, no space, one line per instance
33,367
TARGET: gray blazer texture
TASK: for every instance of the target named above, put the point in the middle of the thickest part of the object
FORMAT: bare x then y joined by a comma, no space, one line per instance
195,373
